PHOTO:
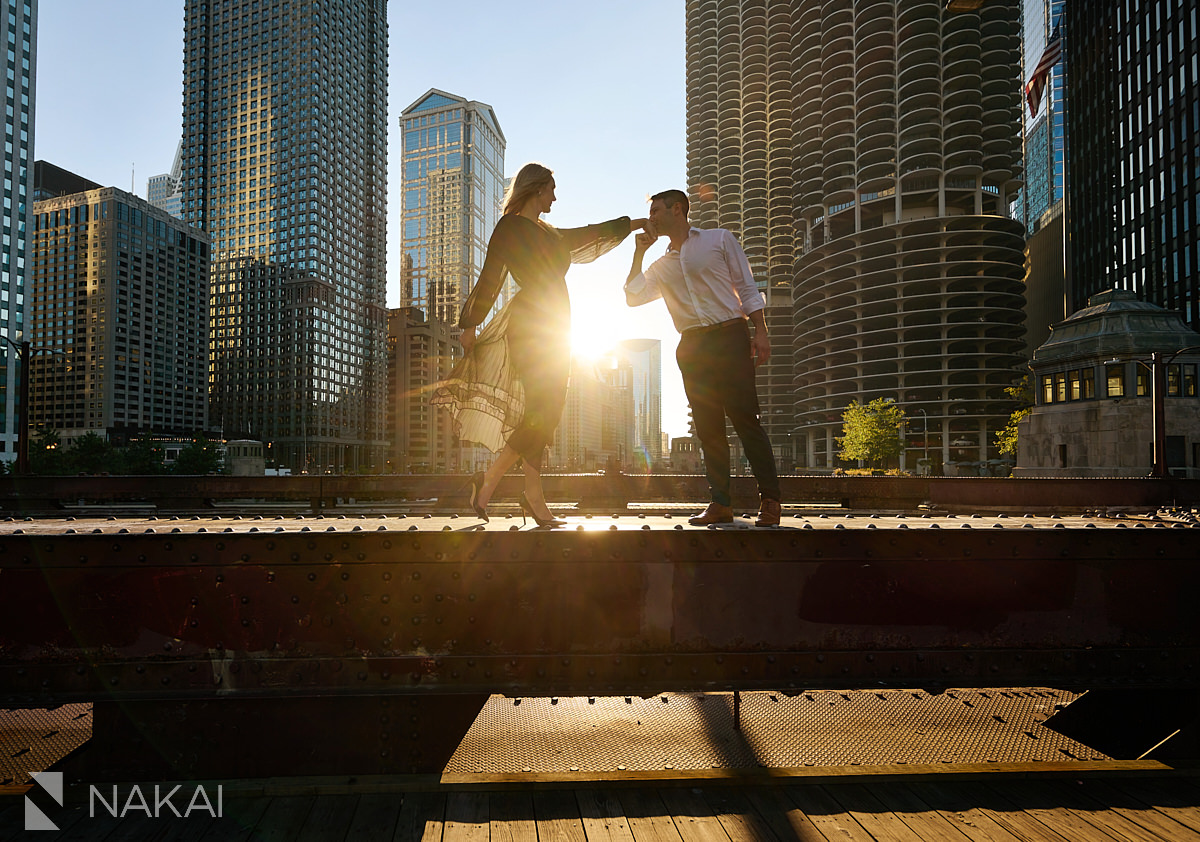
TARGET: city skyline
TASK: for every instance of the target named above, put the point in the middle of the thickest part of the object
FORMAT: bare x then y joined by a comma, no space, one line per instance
608,121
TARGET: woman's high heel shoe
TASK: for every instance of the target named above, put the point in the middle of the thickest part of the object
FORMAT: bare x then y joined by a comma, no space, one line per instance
476,486
526,508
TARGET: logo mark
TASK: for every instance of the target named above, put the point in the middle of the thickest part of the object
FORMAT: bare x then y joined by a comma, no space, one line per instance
52,783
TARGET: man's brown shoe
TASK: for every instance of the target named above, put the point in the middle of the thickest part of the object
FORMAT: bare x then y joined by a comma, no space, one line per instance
768,513
715,513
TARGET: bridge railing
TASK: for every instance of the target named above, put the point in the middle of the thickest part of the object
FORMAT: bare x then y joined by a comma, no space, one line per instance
601,492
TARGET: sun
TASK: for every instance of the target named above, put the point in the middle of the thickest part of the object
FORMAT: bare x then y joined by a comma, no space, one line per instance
591,339
599,316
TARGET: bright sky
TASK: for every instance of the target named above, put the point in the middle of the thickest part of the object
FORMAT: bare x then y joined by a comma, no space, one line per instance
594,91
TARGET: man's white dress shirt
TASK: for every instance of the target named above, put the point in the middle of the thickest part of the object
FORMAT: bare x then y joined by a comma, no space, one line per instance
706,282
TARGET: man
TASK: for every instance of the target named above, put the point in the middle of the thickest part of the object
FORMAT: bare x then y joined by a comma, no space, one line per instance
705,280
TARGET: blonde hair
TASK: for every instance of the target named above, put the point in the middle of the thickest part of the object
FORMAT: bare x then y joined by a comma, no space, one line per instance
530,181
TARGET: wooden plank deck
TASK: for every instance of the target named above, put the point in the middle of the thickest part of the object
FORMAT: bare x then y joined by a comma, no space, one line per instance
1112,809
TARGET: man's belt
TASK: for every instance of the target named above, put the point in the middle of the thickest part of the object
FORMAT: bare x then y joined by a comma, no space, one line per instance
698,331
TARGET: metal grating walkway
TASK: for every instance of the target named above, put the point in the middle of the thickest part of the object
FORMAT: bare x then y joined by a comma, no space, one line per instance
33,739
826,728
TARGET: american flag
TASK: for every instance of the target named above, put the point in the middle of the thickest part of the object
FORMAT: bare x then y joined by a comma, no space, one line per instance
1037,82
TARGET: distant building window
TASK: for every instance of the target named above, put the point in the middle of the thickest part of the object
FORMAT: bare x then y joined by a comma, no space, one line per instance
1175,380
1114,380
1060,387
1074,385
1143,382
1189,381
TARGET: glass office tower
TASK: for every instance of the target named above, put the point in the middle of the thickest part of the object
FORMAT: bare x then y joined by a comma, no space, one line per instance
284,165
644,357
1134,129
19,28
453,187
166,190
1045,151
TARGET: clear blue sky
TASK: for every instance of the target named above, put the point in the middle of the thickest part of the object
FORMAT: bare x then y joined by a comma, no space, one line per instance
595,91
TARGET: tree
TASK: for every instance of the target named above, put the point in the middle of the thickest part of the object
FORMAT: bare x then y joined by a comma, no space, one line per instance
199,457
142,457
1022,392
871,432
91,454
46,456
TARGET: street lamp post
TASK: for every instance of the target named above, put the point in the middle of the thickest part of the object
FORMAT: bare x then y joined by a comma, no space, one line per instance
23,351
1158,400
925,435
1158,403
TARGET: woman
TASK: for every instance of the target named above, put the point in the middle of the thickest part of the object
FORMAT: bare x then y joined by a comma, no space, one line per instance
508,391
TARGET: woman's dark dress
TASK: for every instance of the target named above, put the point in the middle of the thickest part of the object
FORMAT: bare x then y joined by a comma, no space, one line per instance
512,386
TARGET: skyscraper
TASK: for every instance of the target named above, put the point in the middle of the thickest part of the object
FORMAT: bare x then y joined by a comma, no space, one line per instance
1134,134
644,358
740,166
878,146
594,431
420,354
1039,204
453,186
284,165
127,332
166,190
20,36
1045,154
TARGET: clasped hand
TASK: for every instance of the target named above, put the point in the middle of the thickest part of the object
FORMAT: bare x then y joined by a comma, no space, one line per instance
649,234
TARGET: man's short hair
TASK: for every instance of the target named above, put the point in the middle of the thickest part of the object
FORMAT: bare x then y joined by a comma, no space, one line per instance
671,197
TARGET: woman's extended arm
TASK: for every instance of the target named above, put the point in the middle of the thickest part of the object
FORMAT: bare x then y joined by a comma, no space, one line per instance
591,241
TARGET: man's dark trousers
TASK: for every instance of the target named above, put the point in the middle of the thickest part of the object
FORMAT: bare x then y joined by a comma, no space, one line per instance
718,378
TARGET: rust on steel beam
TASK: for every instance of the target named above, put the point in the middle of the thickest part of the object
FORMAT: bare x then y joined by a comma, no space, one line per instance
183,615
389,641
